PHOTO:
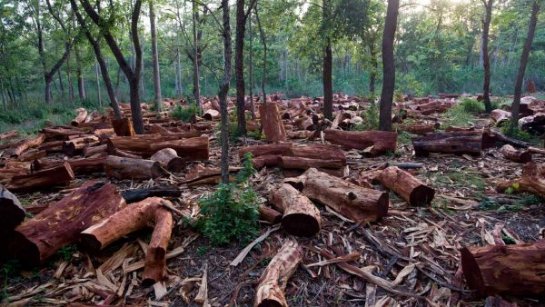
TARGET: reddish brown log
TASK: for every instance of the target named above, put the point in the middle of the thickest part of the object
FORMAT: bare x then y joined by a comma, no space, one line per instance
273,128
531,181
104,133
32,154
76,145
168,158
123,127
137,216
500,116
142,143
128,168
282,149
191,149
52,146
269,214
300,134
306,163
449,142
57,176
372,142
412,190
79,166
61,223
81,117
506,269
510,153
273,281
266,161
301,217
352,201
436,106
318,151
26,144
62,132
420,128
93,150
8,135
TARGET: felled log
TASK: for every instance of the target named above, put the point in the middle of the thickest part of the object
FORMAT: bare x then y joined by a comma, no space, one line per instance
449,142
26,144
11,211
301,217
78,166
56,176
8,135
531,181
273,128
62,132
137,216
61,223
93,150
32,154
533,123
269,214
517,269
211,114
311,151
128,168
283,149
81,117
273,281
350,200
300,134
516,155
191,149
493,138
421,128
135,195
372,142
76,145
168,158
410,188
287,162
52,146
123,127
500,116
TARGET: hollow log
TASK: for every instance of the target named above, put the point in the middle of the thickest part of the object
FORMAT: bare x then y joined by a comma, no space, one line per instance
60,224
449,142
128,168
350,200
123,127
372,142
273,281
269,214
410,188
517,269
135,195
168,158
149,211
56,176
301,217
500,116
516,155
26,144
287,162
211,114
191,149
76,145
531,181
273,128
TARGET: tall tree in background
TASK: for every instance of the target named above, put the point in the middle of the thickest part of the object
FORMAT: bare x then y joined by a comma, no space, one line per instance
515,108
155,59
196,54
486,56
327,69
224,89
264,42
388,66
133,75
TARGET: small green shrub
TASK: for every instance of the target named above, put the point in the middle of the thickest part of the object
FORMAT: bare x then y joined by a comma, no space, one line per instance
472,106
519,134
457,116
185,113
370,119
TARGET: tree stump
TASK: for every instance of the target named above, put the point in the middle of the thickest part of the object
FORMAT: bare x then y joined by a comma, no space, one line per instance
123,127
271,122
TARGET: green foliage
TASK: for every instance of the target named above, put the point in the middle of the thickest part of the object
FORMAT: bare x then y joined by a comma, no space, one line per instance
404,138
370,119
67,252
185,113
458,116
524,201
247,170
472,106
519,134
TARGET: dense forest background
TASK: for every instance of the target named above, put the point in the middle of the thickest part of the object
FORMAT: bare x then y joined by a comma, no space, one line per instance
437,48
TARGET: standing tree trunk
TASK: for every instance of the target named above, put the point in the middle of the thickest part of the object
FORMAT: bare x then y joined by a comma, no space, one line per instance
264,42
374,65
79,75
251,69
155,57
196,41
327,79
98,85
239,67
178,68
224,89
388,66
515,108
486,56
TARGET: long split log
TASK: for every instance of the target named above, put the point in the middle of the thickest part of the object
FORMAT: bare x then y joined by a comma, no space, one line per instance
128,168
412,190
56,176
301,217
372,142
79,166
449,142
516,155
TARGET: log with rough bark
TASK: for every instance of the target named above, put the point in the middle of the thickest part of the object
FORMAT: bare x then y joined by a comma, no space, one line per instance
81,117
269,214
26,144
350,200
420,128
32,154
311,151
62,132
516,155
301,217
123,127
8,135
135,195
410,188
371,142
494,138
469,142
56,176
52,146
287,162
273,281
128,168
79,166
281,149
149,211
191,149
36,239
168,158
531,181
500,116
517,269
94,150
75,146
273,128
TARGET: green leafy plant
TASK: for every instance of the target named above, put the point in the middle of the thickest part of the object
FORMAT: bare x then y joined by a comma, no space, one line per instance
370,119
458,116
67,252
519,134
185,113
472,106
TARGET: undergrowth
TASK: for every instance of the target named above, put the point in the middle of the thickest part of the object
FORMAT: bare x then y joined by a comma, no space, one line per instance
519,134
458,116
370,119
524,201
185,113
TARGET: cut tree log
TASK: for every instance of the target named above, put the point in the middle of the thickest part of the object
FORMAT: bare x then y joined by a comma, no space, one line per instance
266,161
79,166
350,200
318,151
516,155
81,117
420,128
449,142
500,116
493,138
56,176
301,217
410,188
93,150
272,124
273,281
371,142
531,181
32,154
192,149
52,146
168,158
149,211
281,149
60,224
211,114
135,195
11,211
123,127
269,214
8,135
26,144
75,146
128,168
287,162
517,269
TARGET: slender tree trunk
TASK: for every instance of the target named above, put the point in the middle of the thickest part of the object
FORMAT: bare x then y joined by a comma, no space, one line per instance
196,42
239,67
178,69
327,78
155,56
374,68
388,66
515,109
99,96
224,89
251,68
79,75
69,80
264,42
486,56
61,84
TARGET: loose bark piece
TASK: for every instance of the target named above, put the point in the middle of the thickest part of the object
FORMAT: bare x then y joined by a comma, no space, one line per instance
11,211
57,176
26,144
61,223
412,190
52,146
135,195
202,295
273,128
517,269
128,168
510,153
356,203
123,127
301,217
130,219
168,158
191,149
372,142
240,257
273,281
449,142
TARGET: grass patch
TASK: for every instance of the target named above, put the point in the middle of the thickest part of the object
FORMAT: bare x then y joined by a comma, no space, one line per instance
472,106
404,138
519,134
461,179
458,116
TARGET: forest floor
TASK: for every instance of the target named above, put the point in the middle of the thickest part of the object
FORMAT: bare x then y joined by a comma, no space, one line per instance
416,247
